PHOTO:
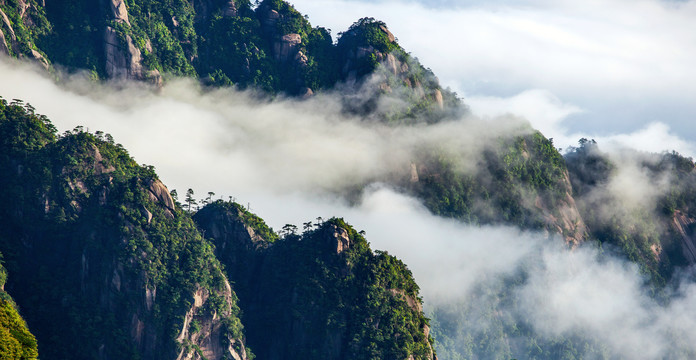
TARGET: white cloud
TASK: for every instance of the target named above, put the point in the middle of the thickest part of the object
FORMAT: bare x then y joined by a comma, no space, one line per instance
547,113
228,141
280,155
627,64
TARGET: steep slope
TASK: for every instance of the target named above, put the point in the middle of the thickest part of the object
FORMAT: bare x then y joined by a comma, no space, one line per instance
322,294
651,226
518,180
105,264
16,342
102,262
382,80
272,46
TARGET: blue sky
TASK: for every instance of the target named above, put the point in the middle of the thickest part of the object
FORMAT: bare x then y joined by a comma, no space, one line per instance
616,70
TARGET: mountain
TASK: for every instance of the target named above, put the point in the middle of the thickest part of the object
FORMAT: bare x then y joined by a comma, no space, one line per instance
321,294
105,264
271,47
102,261
118,268
657,235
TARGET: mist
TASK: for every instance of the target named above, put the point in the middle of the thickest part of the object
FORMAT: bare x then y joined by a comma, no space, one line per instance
230,142
292,161
627,65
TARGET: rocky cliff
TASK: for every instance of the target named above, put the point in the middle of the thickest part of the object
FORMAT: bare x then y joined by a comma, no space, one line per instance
375,70
272,47
102,261
656,232
519,180
105,264
319,295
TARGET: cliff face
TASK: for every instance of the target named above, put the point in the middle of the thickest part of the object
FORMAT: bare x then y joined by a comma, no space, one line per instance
16,342
657,231
271,47
562,216
102,262
106,265
375,69
14,20
683,225
319,295
519,180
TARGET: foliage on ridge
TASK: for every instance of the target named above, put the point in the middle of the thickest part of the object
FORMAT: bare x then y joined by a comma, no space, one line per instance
79,210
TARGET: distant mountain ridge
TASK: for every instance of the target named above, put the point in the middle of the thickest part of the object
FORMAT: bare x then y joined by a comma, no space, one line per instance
271,47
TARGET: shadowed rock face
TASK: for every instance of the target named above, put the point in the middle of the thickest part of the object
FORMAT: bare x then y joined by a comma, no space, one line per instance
287,47
6,27
119,11
304,296
3,44
106,266
337,238
123,58
122,62
684,225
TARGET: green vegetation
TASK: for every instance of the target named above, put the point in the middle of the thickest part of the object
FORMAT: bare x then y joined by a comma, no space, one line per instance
16,342
28,25
511,176
226,43
255,222
486,324
322,294
236,54
644,235
114,264
366,33
78,211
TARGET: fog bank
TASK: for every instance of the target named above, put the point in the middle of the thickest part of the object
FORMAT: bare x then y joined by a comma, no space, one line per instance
290,161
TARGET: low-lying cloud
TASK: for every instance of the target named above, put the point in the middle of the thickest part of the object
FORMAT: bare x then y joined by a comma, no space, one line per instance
585,294
229,141
287,158
626,64
553,118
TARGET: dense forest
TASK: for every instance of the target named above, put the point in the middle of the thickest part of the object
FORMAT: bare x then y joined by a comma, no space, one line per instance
100,238
101,260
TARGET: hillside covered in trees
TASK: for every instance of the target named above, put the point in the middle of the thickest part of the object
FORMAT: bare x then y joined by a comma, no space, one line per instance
102,261
106,265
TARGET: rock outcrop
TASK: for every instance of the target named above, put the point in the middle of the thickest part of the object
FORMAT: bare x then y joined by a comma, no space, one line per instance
119,11
286,47
563,216
4,49
123,59
229,9
379,74
6,27
304,296
684,227
106,265
160,194
203,336
337,239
